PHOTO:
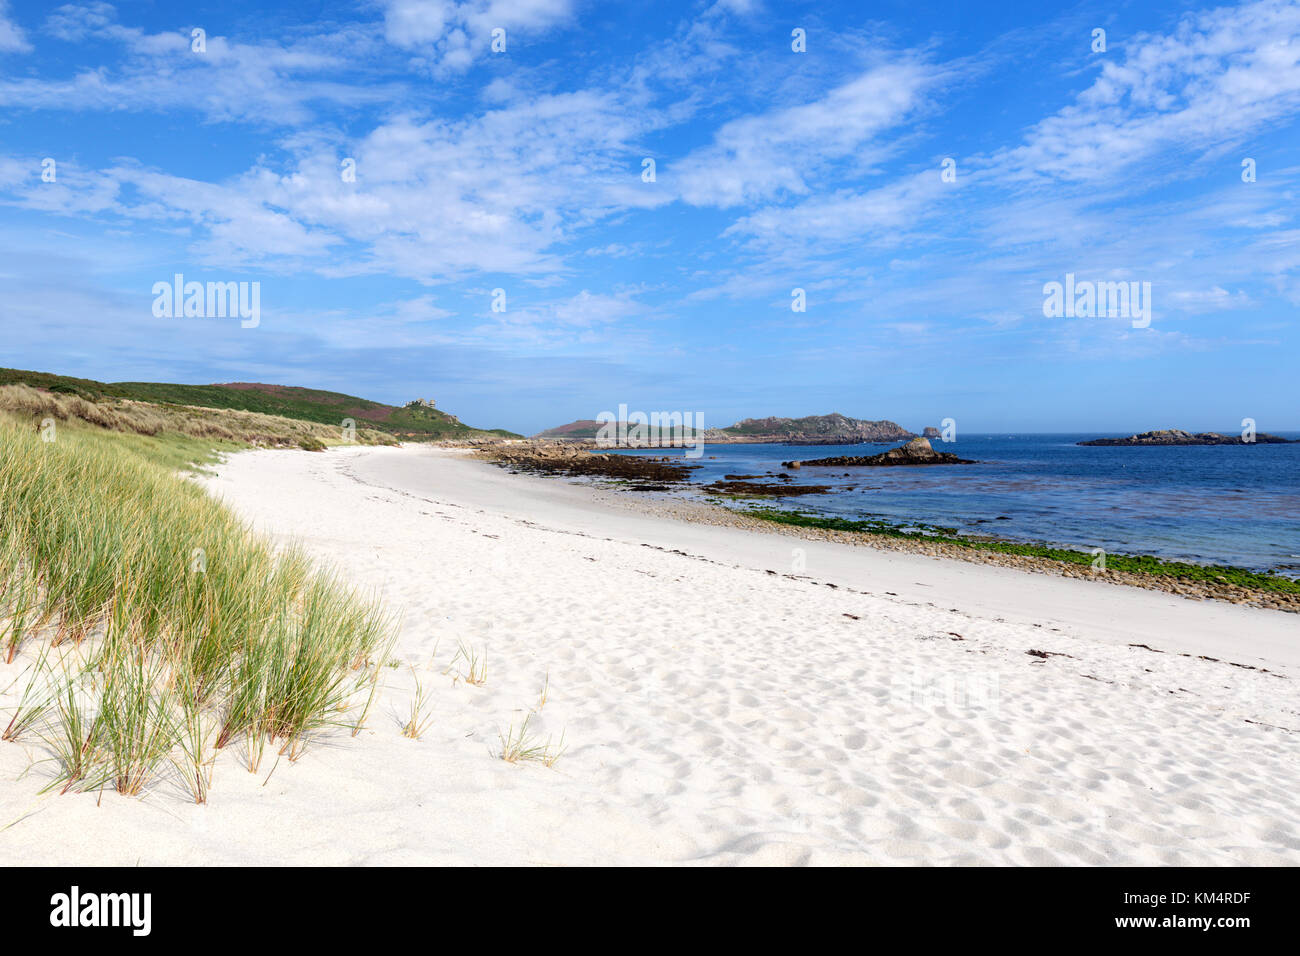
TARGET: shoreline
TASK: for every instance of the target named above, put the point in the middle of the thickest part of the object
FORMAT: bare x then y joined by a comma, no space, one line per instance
966,548
995,583
976,551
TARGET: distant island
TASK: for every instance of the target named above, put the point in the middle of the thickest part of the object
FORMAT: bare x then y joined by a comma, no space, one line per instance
583,429
832,429
589,430
1176,436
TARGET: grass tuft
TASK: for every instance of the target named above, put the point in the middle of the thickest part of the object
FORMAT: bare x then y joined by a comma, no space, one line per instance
192,631
520,746
474,665
420,718
545,695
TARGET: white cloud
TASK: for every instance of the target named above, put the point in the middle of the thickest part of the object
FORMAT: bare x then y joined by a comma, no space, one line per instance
453,33
231,81
74,22
12,38
562,322
761,156
433,200
846,216
407,323
507,181
742,8
1218,77
1161,106
1214,299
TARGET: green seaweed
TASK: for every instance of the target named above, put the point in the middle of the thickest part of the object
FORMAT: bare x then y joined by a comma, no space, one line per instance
1135,564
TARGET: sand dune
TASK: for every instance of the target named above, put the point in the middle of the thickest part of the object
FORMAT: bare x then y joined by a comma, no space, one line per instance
725,697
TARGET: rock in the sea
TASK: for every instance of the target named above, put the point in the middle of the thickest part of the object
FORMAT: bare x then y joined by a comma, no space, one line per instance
1176,436
929,431
915,452
573,459
757,489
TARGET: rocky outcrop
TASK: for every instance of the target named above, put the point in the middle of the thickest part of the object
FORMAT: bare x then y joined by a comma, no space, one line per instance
568,458
764,490
832,429
915,452
1176,436
929,431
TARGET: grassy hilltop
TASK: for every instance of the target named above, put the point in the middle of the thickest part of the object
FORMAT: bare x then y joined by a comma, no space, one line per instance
414,421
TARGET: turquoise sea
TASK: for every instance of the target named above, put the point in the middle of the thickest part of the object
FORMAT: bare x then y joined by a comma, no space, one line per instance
1224,504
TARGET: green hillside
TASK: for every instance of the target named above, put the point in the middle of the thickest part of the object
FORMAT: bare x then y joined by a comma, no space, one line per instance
415,420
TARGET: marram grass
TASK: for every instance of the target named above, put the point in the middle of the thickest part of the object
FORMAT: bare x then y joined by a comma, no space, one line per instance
182,425
160,628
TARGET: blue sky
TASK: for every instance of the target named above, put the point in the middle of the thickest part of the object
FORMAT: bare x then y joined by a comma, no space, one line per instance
774,170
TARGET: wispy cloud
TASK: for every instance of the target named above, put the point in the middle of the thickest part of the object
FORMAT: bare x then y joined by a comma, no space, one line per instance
228,81
447,35
785,150
384,172
12,37
1215,79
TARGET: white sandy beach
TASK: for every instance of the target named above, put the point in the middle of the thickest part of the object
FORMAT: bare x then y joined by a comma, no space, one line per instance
725,697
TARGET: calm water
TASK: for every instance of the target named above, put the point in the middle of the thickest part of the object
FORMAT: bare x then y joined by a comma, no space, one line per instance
1214,504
